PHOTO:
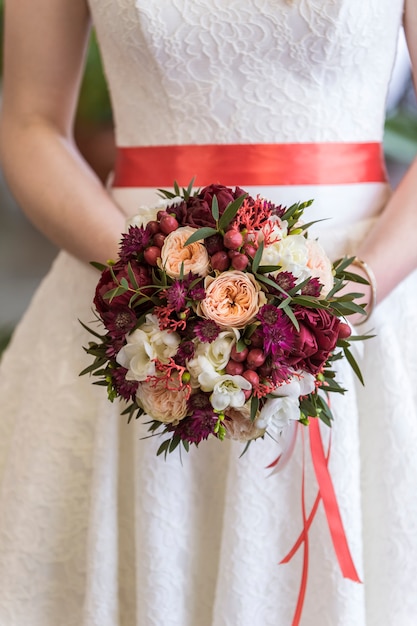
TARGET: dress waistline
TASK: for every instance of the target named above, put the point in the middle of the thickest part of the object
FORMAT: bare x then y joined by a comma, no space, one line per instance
250,164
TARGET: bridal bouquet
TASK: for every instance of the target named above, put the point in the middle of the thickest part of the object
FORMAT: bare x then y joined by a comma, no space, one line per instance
222,318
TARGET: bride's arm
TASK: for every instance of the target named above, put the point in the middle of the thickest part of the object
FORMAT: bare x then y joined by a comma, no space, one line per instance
390,249
45,43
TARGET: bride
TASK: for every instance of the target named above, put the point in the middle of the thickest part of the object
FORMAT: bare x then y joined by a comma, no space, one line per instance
94,528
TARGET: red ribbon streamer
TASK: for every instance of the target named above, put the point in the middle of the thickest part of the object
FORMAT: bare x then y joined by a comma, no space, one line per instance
327,494
331,507
250,164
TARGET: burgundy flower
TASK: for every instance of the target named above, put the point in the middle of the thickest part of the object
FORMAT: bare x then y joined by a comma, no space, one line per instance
133,243
316,339
206,330
284,280
176,294
107,283
184,353
119,320
200,424
125,388
276,331
214,244
312,288
196,211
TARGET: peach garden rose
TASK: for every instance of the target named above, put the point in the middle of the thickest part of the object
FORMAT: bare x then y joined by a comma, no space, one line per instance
165,400
320,266
174,254
232,299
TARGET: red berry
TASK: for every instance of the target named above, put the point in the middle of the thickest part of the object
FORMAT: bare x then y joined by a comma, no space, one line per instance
168,224
239,356
214,244
256,340
158,239
248,393
252,377
250,249
233,239
344,331
233,368
265,370
256,357
152,227
220,261
240,262
152,254
161,214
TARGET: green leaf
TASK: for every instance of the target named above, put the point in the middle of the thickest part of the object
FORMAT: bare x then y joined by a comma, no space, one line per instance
257,258
88,329
245,449
201,233
187,192
231,211
309,302
215,208
98,266
254,406
268,269
355,278
289,312
241,345
132,276
352,362
175,441
163,447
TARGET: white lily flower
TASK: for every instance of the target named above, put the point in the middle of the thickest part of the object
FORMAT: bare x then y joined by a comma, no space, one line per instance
301,384
228,392
277,413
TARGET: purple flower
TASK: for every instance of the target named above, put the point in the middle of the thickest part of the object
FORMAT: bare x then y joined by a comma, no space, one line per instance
206,331
176,294
134,242
184,353
312,288
119,320
198,426
284,280
125,388
276,331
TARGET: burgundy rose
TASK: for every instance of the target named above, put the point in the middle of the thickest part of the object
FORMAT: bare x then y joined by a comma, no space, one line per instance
316,339
196,212
107,283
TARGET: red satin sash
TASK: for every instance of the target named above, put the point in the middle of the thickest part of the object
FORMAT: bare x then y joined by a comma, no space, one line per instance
250,164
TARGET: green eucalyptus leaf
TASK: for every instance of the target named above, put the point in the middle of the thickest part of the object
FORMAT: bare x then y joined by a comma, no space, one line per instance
201,233
230,212
257,258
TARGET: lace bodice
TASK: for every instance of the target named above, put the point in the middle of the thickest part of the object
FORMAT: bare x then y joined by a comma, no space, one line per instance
243,71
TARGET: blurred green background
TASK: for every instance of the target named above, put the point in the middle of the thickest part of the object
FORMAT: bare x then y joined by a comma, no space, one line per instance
25,255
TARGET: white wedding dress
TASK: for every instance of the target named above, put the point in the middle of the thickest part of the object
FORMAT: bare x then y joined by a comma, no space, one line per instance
97,531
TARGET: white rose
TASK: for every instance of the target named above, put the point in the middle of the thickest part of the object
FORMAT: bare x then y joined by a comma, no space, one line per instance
291,253
164,343
320,266
228,392
146,344
211,359
137,356
277,413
